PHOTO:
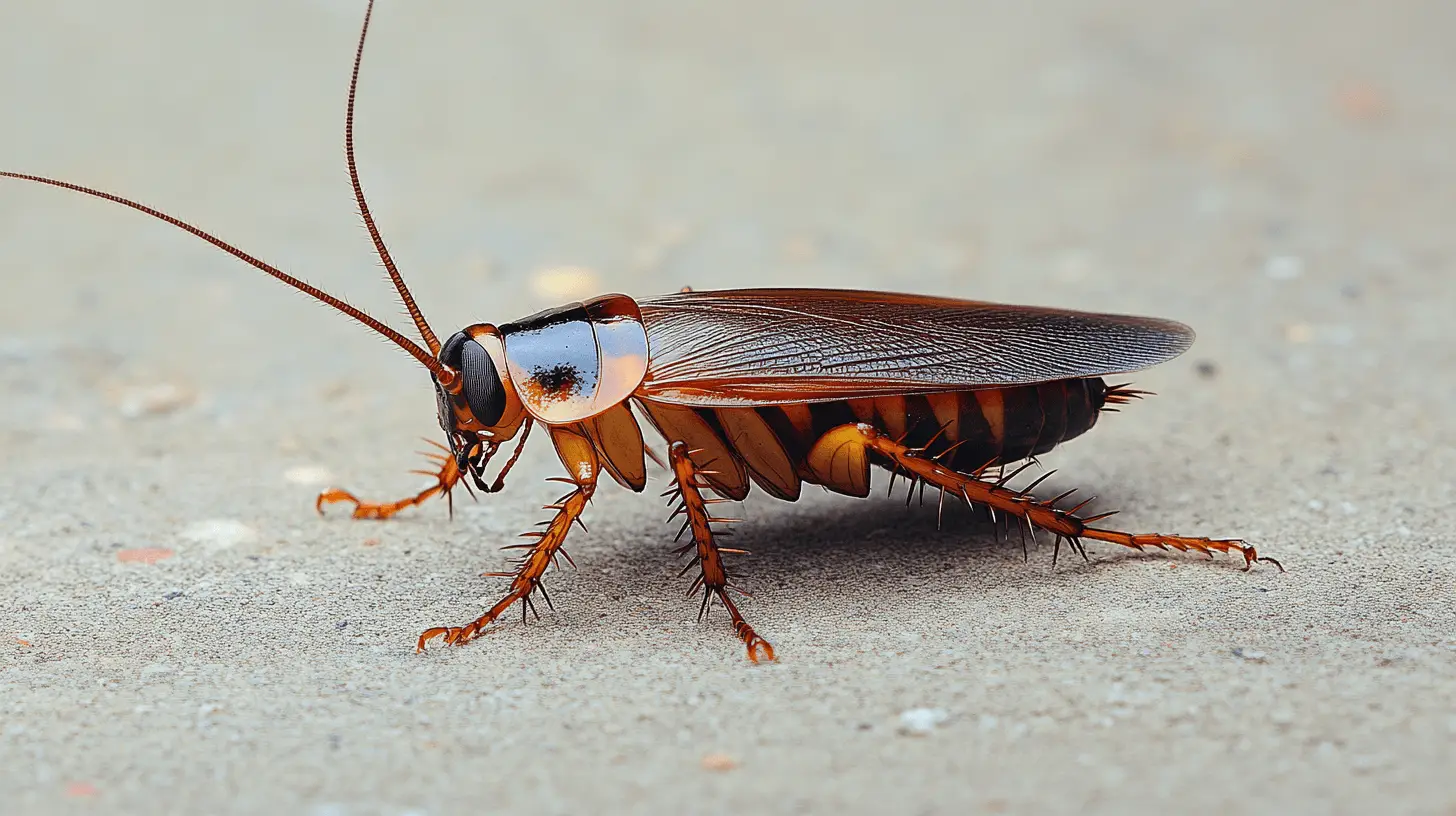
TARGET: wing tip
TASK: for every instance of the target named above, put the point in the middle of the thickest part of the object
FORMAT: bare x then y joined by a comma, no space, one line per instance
1162,341
1182,336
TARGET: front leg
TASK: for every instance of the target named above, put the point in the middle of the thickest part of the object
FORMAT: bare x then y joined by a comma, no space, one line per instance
581,462
445,479
713,578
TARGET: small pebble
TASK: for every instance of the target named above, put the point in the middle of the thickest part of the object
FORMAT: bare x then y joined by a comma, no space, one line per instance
81,790
1284,267
1251,655
917,722
1365,763
308,475
153,400
718,762
144,555
1299,332
218,533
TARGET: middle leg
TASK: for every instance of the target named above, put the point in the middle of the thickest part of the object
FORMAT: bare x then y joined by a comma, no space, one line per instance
713,577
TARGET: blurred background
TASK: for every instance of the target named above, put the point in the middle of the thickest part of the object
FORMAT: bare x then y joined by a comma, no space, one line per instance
1278,175
1188,161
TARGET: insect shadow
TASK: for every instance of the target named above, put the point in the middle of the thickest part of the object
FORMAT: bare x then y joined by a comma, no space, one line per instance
879,541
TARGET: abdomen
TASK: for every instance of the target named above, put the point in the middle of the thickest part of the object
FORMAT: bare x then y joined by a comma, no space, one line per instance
769,445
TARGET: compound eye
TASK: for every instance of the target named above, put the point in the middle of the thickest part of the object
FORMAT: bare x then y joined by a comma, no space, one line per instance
453,348
481,384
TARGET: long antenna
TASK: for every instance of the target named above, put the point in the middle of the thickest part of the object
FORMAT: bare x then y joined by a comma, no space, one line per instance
404,293
426,359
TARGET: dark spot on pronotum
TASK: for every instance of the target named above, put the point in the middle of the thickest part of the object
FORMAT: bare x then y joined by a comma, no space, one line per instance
558,379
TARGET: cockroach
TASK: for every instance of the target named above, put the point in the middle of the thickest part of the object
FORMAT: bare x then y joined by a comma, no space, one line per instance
776,388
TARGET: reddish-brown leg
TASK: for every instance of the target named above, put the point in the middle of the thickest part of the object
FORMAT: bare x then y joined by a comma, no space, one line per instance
845,440
713,578
445,479
527,577
581,462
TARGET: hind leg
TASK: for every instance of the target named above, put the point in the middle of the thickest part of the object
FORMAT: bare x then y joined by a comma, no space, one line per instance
713,578
841,455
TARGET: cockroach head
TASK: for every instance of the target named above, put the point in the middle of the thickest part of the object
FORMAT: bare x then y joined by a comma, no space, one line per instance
478,408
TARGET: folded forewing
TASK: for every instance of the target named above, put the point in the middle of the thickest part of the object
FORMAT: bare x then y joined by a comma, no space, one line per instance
773,346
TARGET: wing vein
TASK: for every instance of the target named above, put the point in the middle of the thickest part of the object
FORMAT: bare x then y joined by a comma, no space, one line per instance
766,346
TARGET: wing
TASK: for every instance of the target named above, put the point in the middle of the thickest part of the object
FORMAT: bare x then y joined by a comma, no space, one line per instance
775,346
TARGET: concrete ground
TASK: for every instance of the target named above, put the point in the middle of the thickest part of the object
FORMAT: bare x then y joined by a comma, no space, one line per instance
180,633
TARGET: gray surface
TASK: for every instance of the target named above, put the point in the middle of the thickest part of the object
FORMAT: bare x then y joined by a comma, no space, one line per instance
1278,175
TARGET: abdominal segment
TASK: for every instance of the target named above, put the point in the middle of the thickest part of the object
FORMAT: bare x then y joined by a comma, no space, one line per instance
770,446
